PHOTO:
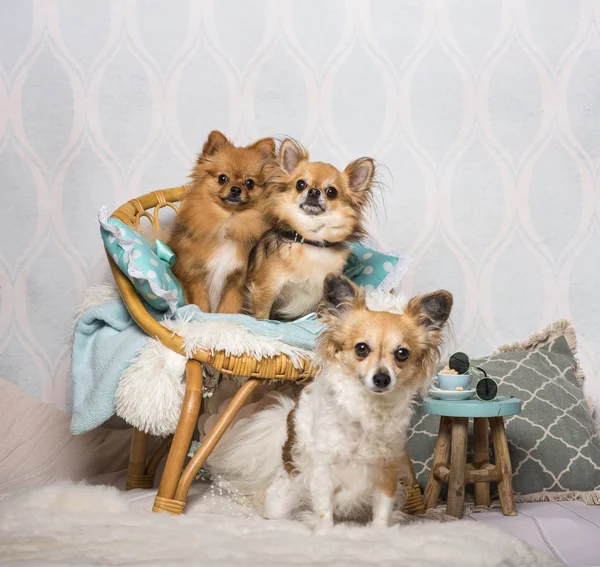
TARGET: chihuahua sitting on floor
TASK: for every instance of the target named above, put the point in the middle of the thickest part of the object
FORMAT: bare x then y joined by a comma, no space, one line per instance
314,211
336,449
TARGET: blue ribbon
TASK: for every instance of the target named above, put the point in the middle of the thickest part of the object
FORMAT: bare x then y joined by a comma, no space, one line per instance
165,253
353,267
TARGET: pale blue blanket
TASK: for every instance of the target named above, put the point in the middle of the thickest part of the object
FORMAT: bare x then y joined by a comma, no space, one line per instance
106,340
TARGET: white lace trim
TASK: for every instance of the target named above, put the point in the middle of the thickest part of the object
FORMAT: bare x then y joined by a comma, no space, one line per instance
395,275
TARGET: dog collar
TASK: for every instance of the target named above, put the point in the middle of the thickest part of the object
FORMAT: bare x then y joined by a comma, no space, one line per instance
292,236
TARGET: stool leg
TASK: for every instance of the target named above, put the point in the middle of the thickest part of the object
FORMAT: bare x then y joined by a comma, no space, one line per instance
458,464
440,457
481,459
505,491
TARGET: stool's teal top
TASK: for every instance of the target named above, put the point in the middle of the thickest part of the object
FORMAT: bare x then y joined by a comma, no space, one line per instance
501,406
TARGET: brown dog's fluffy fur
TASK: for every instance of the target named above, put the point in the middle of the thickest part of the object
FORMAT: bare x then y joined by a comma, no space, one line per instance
320,204
219,221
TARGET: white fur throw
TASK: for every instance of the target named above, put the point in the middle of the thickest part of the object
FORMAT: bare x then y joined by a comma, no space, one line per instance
66,524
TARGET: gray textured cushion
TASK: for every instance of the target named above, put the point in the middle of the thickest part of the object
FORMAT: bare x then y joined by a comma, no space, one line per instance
553,442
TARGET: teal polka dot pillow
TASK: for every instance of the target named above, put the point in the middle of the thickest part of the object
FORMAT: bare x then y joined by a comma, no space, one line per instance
146,266
374,269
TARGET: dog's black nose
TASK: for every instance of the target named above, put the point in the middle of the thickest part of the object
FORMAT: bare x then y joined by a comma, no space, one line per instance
381,380
314,193
235,191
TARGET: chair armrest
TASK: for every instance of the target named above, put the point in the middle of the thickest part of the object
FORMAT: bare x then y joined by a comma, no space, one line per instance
145,321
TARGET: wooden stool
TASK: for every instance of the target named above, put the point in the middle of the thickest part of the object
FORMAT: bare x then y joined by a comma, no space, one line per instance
452,446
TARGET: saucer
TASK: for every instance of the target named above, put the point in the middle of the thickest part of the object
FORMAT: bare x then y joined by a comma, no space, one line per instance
451,395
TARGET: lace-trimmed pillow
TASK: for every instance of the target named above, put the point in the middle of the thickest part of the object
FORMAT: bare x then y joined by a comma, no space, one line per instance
148,268
371,268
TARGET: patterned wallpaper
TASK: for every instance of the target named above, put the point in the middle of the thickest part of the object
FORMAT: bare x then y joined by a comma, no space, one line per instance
484,115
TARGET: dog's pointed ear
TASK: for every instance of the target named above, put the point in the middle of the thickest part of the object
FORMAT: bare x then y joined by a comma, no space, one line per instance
361,175
291,154
266,146
340,295
216,140
431,310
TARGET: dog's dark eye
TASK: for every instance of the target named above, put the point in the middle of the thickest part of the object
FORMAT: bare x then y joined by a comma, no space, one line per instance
301,185
362,350
249,183
331,192
223,179
401,354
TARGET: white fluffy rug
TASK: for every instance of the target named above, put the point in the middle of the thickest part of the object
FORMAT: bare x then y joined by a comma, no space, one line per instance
67,524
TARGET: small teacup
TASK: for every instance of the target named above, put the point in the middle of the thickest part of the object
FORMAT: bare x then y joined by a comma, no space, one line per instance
453,381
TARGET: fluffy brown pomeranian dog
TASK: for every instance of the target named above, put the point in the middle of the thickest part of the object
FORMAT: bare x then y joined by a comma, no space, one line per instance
220,220
313,211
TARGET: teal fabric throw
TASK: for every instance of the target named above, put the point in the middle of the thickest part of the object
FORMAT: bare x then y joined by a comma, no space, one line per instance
107,339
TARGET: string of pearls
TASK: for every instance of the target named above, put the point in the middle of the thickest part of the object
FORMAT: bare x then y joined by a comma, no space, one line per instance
222,494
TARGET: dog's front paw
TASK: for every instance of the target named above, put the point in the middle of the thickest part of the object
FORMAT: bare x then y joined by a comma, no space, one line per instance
324,525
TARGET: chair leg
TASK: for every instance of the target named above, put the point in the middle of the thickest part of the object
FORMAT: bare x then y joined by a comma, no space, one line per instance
136,471
181,441
505,491
458,465
159,454
440,457
212,439
481,459
414,498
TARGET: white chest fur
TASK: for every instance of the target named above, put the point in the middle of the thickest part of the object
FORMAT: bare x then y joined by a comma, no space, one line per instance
358,425
350,434
225,260
301,290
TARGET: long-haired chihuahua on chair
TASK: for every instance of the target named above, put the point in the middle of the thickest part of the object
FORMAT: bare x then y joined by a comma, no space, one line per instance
219,221
314,211
336,450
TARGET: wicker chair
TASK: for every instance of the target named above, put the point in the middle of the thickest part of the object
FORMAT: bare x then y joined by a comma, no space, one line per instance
176,479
